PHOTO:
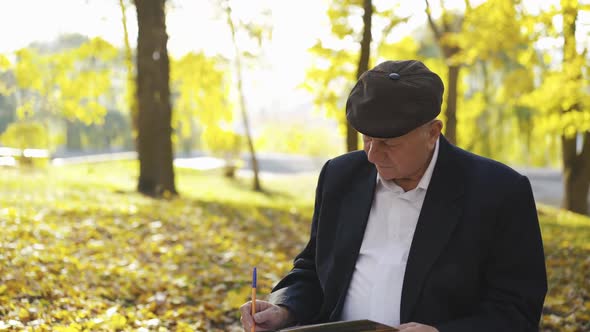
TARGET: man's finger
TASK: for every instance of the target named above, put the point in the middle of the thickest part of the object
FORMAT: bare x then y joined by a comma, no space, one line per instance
246,318
246,321
245,324
263,305
246,307
408,325
263,316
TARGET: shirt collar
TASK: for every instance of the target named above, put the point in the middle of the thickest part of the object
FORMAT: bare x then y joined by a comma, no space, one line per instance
424,181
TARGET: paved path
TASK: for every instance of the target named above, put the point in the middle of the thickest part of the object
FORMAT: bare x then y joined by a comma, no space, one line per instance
546,183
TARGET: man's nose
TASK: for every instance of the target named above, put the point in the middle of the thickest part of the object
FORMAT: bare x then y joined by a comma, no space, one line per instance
373,152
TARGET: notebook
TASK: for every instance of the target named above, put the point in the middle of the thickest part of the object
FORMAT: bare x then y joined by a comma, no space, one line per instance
364,325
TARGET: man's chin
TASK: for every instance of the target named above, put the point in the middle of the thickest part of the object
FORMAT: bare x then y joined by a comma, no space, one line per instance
388,176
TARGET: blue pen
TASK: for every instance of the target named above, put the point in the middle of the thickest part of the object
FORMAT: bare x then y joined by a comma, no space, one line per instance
253,298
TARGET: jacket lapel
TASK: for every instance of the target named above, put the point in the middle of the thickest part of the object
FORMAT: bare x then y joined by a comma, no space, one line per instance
438,217
353,214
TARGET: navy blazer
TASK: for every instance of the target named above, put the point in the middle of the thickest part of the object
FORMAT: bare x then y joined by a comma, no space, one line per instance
476,262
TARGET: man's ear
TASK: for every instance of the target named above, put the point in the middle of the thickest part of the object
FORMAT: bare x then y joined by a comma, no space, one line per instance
436,128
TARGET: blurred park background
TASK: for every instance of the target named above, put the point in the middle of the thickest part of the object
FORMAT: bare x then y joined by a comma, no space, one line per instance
153,152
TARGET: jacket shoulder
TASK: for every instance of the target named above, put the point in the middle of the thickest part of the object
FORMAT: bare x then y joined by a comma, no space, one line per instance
345,168
485,169
350,160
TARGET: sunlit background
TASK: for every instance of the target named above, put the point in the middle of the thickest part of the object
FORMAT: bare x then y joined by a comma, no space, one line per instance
275,79
103,229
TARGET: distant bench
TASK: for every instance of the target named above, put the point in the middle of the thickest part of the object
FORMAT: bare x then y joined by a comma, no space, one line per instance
13,157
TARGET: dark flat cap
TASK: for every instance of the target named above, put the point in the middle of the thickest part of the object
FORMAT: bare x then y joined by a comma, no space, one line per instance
394,98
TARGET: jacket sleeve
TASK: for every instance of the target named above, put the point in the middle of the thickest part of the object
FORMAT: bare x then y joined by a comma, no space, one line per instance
300,290
514,277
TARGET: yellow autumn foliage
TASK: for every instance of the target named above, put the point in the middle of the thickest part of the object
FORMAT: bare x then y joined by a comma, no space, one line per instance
83,252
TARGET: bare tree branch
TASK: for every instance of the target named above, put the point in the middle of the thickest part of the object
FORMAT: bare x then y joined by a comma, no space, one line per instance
435,29
393,22
585,153
444,17
468,5
468,9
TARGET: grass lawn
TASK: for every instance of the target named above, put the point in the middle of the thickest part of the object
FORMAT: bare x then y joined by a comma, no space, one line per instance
81,250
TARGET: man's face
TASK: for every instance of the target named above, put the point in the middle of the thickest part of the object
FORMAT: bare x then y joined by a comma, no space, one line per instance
403,157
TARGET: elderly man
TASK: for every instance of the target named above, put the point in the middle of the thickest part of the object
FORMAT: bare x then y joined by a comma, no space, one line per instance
413,232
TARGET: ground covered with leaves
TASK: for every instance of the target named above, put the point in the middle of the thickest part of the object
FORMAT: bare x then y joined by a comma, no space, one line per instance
79,250
566,237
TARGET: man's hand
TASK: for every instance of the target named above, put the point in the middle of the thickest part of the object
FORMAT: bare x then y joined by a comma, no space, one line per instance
268,317
416,327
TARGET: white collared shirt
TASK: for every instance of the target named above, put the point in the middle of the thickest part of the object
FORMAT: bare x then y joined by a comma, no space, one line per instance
376,286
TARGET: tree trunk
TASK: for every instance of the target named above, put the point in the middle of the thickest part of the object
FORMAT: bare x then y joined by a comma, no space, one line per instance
363,65
576,165
483,121
576,174
154,144
131,91
352,139
73,137
256,181
451,110
453,70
